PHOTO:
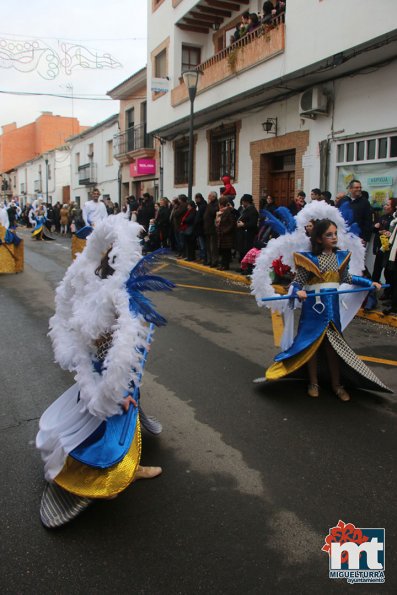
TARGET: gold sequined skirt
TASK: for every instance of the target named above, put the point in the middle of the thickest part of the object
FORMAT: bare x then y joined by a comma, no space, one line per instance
89,482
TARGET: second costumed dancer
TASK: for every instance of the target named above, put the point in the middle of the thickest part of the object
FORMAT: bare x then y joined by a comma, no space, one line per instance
90,437
331,262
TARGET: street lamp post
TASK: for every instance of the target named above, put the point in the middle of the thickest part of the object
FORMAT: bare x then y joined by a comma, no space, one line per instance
46,177
190,78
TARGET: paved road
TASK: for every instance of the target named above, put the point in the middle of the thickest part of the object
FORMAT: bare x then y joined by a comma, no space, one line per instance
253,475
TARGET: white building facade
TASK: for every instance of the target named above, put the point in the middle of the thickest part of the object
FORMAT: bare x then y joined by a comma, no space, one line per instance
138,152
92,162
307,102
46,176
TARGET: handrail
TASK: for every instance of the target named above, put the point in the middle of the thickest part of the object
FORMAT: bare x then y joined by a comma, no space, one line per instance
244,41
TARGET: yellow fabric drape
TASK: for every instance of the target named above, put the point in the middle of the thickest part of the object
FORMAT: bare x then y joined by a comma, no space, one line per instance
90,482
284,368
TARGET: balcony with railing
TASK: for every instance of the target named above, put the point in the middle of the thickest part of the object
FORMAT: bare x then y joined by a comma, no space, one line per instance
132,143
262,44
88,174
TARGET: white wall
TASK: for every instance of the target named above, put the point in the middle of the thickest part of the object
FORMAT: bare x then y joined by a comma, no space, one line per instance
315,29
107,175
362,104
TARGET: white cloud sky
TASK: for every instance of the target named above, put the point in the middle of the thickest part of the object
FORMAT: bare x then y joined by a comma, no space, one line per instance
117,28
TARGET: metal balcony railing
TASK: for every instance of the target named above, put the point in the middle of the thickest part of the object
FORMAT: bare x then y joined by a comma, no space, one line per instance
132,139
88,174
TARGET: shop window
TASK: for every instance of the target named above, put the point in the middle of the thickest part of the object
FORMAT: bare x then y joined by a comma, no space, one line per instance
341,153
350,152
371,147
393,146
382,148
360,151
223,142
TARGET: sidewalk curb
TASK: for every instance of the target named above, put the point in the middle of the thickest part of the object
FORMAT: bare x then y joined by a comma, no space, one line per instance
376,317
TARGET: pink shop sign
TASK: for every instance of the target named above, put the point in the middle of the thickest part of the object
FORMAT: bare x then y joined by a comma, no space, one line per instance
143,167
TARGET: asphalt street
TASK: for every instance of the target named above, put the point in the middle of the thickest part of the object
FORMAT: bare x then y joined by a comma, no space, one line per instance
254,474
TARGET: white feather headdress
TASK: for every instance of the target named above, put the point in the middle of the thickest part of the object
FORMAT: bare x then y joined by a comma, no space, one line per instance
285,246
88,307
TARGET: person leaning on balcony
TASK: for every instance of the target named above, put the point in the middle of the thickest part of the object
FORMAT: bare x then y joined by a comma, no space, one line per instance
210,233
253,22
242,27
269,12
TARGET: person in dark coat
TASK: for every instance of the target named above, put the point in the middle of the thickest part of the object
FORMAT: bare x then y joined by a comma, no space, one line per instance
146,211
211,238
188,232
163,222
225,224
178,211
247,225
361,209
201,204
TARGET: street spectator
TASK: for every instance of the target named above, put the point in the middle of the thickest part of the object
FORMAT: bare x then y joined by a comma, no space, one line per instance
327,196
381,245
391,267
210,233
146,211
94,210
225,224
247,226
361,209
268,204
163,222
297,203
57,210
64,219
315,194
228,190
201,204
116,208
187,231
178,211
50,217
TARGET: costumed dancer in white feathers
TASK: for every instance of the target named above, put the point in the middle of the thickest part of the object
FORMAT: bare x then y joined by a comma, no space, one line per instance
332,260
90,438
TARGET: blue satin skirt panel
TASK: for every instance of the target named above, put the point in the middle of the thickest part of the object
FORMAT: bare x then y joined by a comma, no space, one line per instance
313,323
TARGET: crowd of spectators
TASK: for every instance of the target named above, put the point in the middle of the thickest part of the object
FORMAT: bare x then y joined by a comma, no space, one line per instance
251,20
214,231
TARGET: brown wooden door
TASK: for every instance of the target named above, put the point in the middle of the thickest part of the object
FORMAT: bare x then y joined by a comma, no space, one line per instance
65,194
282,187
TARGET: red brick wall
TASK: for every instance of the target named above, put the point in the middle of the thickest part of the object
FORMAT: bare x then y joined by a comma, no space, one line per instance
47,132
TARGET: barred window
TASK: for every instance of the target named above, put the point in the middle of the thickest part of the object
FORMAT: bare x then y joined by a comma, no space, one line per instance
223,152
181,161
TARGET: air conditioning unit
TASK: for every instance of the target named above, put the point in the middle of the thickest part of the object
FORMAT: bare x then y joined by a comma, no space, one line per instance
313,102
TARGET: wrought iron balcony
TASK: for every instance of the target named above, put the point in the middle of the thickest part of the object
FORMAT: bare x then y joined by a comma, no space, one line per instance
133,139
37,186
88,174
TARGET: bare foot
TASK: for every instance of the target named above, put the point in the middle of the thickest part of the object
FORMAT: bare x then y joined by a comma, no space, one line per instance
147,472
